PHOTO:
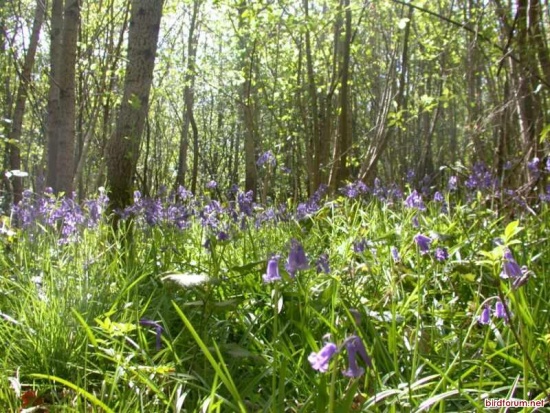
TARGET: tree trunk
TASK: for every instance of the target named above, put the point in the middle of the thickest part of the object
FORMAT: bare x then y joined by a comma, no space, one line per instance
189,97
21,100
344,125
56,33
247,103
123,147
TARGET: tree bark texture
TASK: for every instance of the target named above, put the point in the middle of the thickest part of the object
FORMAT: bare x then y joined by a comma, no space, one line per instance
123,147
21,99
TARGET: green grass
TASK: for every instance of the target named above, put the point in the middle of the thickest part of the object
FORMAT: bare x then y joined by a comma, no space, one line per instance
69,315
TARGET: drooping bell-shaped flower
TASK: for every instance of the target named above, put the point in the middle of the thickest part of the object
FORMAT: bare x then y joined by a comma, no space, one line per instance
354,346
510,267
423,243
272,272
320,361
485,316
297,259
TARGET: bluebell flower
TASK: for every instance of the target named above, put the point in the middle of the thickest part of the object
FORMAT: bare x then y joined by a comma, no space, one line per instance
359,246
452,185
500,311
485,316
441,254
423,243
266,158
158,328
520,281
414,200
354,346
322,264
211,184
222,236
297,259
510,268
246,202
415,222
438,197
272,272
320,361
395,255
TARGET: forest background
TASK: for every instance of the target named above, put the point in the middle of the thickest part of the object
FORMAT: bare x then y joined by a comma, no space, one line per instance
328,92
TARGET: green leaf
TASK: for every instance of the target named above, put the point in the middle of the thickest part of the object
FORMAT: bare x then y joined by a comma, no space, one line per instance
511,230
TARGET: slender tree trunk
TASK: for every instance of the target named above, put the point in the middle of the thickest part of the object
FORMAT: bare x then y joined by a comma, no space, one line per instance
21,100
344,125
315,134
56,33
123,147
248,63
189,97
67,99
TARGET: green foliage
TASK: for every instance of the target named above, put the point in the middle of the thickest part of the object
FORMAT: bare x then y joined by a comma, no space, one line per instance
71,315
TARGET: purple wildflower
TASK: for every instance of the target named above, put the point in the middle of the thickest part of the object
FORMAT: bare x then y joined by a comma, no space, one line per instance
510,268
414,200
485,316
319,361
453,183
395,255
500,312
354,346
222,236
266,158
322,264
359,246
441,254
158,328
211,185
423,243
520,281
415,222
297,259
438,197
272,272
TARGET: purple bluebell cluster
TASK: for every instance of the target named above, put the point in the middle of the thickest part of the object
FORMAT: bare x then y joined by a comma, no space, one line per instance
64,214
356,351
354,189
267,158
176,210
312,205
481,178
484,317
414,200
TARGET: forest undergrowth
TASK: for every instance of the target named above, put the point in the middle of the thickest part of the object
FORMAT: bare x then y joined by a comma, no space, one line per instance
372,300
